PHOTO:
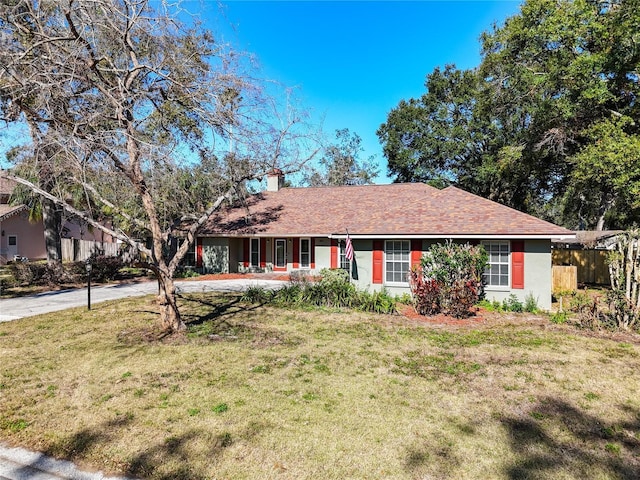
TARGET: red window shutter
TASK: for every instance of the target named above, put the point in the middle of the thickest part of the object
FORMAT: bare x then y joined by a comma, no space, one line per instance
334,254
416,252
296,253
263,252
199,252
517,264
313,253
246,252
474,242
378,245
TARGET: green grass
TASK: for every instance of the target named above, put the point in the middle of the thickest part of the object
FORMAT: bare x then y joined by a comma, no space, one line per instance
259,392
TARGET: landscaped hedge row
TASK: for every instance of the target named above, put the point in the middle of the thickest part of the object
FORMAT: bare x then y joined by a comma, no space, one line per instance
42,273
333,289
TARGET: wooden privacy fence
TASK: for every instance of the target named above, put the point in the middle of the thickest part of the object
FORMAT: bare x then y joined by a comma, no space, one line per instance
591,265
564,278
76,250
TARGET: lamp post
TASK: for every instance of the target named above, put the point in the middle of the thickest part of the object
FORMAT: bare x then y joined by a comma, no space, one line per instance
87,265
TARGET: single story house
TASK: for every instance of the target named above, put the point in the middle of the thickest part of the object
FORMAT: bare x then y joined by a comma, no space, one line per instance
390,226
21,237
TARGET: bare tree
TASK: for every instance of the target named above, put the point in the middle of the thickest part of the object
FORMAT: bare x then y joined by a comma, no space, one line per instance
340,163
624,270
151,117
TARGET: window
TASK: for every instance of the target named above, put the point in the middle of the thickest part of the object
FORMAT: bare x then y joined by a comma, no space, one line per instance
190,257
397,260
496,273
281,253
254,252
13,240
305,253
344,262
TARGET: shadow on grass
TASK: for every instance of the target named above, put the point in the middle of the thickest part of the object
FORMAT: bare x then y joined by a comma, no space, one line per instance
552,439
171,458
555,438
218,308
176,451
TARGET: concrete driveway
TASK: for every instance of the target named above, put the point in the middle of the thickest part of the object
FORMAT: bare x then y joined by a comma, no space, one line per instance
20,307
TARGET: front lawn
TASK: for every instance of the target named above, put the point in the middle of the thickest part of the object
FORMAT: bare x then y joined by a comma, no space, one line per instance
257,392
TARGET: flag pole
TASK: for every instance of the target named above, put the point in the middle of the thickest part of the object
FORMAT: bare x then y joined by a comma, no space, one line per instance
349,254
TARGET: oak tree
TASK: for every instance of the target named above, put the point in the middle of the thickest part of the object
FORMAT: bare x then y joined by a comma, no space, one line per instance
156,121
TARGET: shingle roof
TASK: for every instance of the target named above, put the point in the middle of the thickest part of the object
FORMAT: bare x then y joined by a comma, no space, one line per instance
6,186
7,211
395,209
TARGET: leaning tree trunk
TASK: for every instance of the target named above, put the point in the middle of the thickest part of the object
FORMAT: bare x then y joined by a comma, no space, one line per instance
52,221
170,318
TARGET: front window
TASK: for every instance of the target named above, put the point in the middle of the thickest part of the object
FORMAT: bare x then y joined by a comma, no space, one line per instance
305,252
189,259
345,263
397,260
255,252
496,273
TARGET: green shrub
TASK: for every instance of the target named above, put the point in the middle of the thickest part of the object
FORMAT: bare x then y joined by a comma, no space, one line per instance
103,268
377,302
530,303
256,294
334,290
186,272
512,304
559,317
41,273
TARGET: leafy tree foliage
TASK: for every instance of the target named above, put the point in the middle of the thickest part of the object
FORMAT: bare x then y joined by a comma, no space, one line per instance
515,129
340,163
154,121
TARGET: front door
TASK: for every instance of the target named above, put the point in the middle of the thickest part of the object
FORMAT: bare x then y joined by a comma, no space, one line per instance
12,246
280,254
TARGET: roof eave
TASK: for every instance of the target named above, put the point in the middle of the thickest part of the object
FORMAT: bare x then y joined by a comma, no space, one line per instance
424,236
11,213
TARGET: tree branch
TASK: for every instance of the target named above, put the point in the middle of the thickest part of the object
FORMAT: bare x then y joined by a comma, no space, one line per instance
119,235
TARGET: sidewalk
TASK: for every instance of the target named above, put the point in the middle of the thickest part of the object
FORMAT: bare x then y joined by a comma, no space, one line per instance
20,307
21,464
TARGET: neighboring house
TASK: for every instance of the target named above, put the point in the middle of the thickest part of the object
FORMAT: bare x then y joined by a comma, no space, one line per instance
391,227
20,237
17,234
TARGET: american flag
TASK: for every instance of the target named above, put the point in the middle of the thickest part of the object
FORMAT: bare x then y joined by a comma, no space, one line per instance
348,250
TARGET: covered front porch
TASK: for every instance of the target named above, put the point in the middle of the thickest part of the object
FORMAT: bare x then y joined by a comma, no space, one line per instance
278,255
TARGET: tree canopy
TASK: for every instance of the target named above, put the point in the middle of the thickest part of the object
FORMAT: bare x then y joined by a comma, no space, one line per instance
556,83
340,163
150,117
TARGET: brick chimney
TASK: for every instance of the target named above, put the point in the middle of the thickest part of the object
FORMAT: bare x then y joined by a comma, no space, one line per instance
275,180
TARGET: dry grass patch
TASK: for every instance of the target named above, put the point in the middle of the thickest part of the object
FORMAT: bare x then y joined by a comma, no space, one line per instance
254,392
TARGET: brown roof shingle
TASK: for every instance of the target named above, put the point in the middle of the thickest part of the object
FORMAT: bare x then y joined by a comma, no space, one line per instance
7,211
395,209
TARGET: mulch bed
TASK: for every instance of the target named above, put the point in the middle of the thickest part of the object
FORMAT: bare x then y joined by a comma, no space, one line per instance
476,317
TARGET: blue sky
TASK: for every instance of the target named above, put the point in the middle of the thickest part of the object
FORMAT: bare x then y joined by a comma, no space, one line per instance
352,62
